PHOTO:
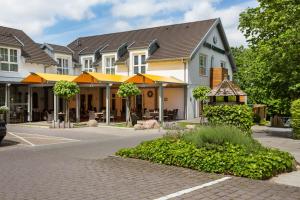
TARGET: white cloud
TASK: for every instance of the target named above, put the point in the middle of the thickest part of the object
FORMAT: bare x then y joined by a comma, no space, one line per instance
146,12
33,16
229,17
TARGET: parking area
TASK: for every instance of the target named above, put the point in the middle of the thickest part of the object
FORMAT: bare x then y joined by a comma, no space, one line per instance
16,139
78,164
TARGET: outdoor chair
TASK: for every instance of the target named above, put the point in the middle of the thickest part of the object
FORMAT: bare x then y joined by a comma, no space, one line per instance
147,115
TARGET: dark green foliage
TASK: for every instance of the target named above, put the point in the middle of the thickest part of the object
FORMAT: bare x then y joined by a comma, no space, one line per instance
295,111
234,115
128,90
66,89
269,71
220,135
200,92
228,159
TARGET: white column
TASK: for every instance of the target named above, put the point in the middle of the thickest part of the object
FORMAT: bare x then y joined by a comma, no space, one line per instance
7,101
107,104
246,99
161,102
77,107
55,105
29,104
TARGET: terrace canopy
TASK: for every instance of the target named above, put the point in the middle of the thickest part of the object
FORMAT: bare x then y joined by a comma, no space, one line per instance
152,79
94,77
39,78
99,78
155,79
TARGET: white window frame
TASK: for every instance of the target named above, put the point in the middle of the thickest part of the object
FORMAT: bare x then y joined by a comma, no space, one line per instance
89,67
139,65
203,68
63,66
9,62
110,64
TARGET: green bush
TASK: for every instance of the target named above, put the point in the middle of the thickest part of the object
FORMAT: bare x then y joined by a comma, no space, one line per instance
295,111
220,135
235,115
229,158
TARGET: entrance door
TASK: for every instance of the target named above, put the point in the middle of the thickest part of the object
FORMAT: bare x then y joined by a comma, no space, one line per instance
90,104
82,103
139,105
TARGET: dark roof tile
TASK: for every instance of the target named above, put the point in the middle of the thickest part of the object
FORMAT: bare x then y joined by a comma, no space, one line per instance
30,50
175,41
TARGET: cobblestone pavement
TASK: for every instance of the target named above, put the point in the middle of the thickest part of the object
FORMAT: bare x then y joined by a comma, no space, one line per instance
60,172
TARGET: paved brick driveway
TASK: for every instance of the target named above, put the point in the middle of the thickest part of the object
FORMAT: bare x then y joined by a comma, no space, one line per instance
65,171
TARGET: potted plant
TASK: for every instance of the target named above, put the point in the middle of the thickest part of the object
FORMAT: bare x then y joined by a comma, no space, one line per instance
3,111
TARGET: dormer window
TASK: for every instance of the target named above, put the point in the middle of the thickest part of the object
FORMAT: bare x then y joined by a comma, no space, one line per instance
8,59
110,67
139,64
87,64
63,66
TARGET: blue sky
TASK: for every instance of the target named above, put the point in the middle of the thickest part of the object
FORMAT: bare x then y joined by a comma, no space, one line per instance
61,22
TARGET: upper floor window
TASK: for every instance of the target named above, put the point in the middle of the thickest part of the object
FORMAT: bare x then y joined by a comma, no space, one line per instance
63,66
223,64
203,65
110,67
87,64
8,59
139,64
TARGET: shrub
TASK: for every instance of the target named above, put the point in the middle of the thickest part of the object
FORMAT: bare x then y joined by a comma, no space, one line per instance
220,135
295,111
234,115
3,109
256,118
229,158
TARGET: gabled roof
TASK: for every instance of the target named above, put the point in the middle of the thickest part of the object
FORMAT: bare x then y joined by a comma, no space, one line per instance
175,41
10,40
57,48
30,50
226,88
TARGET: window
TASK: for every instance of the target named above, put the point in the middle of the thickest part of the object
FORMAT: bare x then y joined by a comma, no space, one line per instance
212,61
63,66
8,59
203,65
87,64
139,64
223,64
110,67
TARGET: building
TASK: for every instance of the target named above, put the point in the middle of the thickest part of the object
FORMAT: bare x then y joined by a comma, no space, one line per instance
20,55
195,53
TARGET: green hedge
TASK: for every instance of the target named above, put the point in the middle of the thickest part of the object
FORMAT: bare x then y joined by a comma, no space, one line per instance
240,116
227,158
295,111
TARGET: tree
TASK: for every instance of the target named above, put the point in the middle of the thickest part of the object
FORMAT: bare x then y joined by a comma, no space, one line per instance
273,30
127,90
200,93
66,90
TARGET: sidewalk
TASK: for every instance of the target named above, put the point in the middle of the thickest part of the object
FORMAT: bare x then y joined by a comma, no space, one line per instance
277,138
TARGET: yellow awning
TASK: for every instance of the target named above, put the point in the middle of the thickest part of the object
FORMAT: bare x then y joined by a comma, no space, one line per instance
94,77
36,78
152,79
